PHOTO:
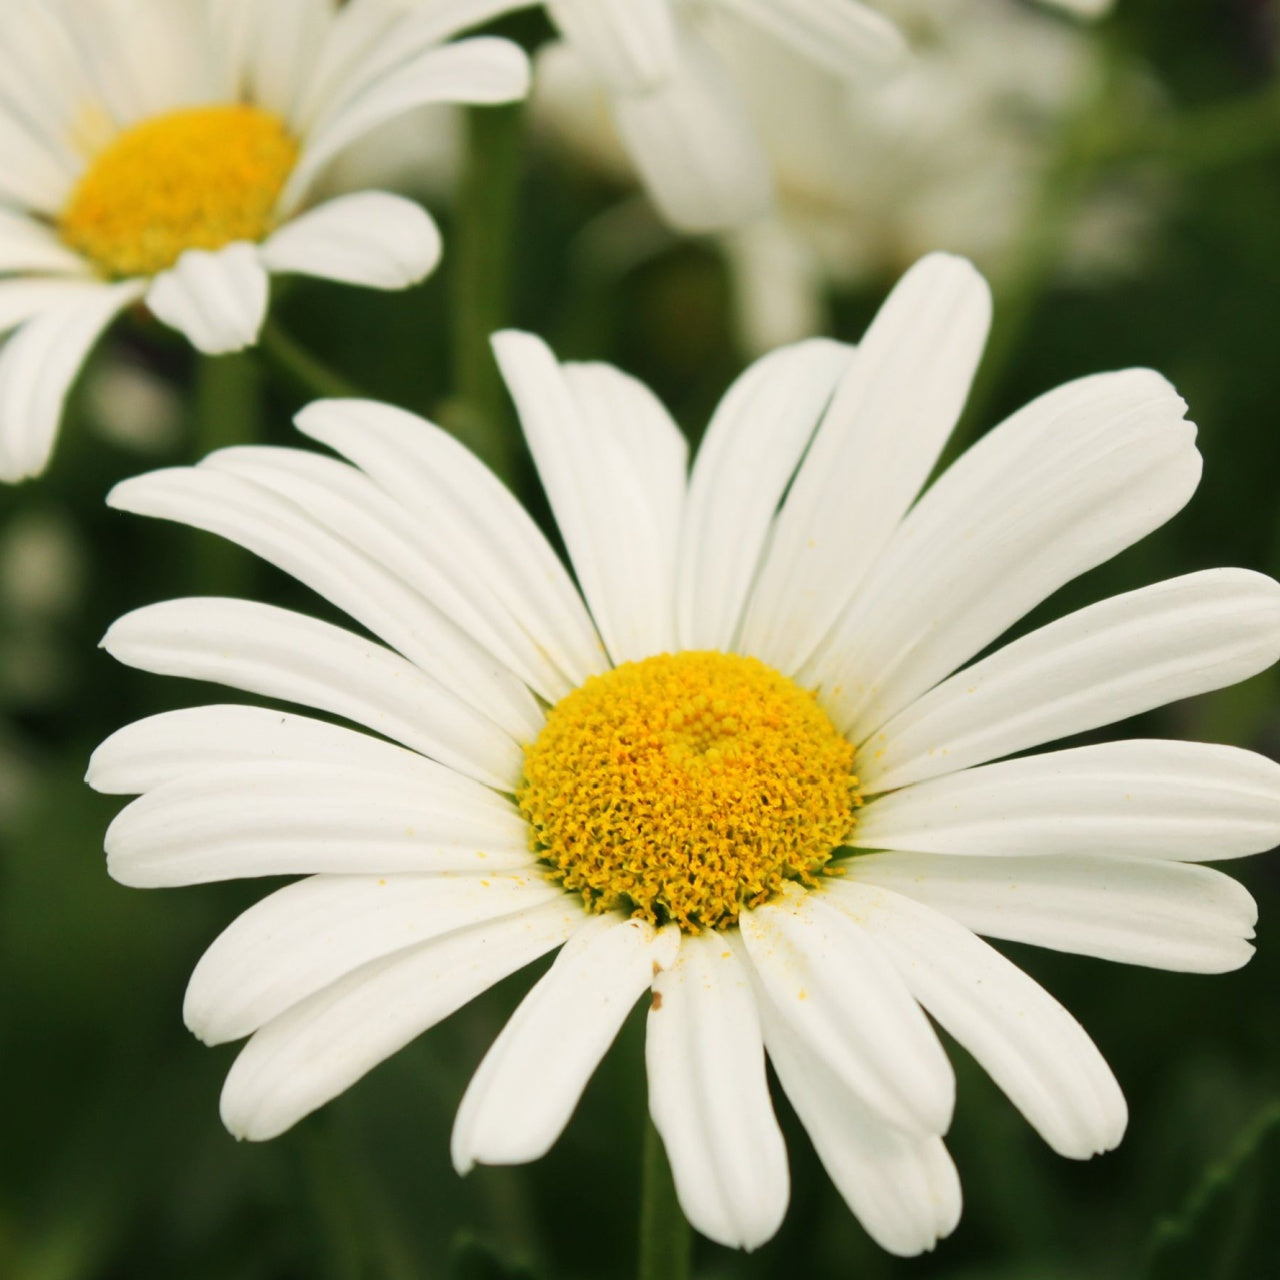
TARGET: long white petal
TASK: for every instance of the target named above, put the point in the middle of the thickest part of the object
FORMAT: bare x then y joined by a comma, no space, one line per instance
369,238
888,420
709,1097
630,44
483,70
649,440
217,299
38,366
280,654
841,36
1063,485
745,462
322,1046
363,515
300,542
695,146
27,244
901,1186
869,1032
610,526
465,511
525,1090
312,933
1187,801
1023,1038
275,48
1170,915
165,747
287,818
1104,663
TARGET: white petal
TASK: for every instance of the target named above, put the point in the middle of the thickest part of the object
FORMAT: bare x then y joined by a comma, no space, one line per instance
363,515
30,245
709,1097
279,654
778,282
218,300
1170,915
276,46
463,509
322,1046
23,298
32,175
695,147
367,42
483,70
38,366
165,747
525,1090
1188,801
901,1186
349,574
368,238
838,35
654,447
610,526
1085,8
869,1032
744,464
631,44
889,418
1112,660
1023,1038
288,818
1063,485
305,936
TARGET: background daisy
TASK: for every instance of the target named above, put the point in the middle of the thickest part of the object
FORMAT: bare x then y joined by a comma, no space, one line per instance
166,154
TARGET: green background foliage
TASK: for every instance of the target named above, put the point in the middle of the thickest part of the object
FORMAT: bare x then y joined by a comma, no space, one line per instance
113,1163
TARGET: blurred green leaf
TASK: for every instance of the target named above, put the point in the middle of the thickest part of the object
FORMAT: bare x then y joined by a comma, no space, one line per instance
1226,1230
472,1259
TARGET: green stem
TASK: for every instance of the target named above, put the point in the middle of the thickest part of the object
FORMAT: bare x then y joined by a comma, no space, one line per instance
226,411
308,373
483,238
666,1241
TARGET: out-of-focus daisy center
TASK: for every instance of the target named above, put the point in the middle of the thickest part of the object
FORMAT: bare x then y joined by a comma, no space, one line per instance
193,179
688,787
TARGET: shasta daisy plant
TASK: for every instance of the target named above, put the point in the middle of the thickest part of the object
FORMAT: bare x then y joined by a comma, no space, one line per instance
166,153
746,758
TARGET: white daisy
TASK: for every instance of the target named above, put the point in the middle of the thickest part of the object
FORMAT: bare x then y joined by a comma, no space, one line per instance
164,152
951,153
761,670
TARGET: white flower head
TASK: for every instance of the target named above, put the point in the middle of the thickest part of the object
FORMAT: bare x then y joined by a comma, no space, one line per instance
952,152
748,762
165,150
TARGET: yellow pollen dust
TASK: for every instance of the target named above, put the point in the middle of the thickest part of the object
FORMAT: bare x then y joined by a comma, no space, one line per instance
688,787
192,179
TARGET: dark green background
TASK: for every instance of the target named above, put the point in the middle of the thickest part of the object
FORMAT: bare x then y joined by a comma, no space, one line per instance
113,1164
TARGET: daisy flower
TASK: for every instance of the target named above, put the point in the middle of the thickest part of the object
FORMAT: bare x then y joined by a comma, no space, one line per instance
162,152
951,153
751,762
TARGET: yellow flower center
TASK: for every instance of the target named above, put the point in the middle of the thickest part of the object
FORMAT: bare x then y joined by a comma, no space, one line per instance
192,179
688,787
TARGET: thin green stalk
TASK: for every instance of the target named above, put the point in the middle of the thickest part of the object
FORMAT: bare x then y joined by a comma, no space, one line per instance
482,243
305,371
666,1240
226,411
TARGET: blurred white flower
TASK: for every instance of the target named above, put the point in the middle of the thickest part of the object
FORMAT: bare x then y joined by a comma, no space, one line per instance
770,658
133,407
166,152
951,153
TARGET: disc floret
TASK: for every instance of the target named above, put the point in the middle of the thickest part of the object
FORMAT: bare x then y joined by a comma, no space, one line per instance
688,787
